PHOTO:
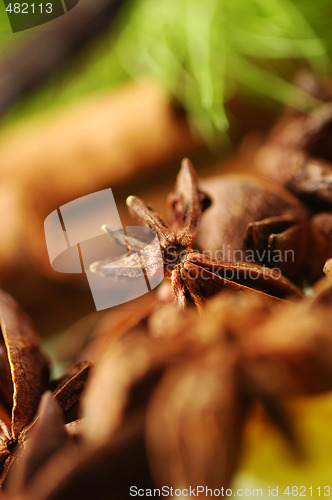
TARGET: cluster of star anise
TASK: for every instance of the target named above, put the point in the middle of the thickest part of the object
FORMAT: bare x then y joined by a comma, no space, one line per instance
167,399
171,389
298,155
194,275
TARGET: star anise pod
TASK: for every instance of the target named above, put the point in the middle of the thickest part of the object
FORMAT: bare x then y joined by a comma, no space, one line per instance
299,362
24,374
173,402
298,155
195,378
131,371
46,437
195,415
254,218
24,378
68,390
194,276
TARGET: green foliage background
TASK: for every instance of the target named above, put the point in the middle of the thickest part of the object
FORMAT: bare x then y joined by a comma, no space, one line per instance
203,51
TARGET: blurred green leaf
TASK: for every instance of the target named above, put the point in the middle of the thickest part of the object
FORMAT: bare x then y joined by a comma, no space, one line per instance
204,53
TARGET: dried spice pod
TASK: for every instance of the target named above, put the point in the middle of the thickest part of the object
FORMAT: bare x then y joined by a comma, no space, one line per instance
253,220
124,378
46,437
25,377
213,276
51,431
140,374
102,471
67,393
196,414
176,403
194,422
69,390
298,155
299,362
193,276
24,369
111,456
320,248
52,462
283,351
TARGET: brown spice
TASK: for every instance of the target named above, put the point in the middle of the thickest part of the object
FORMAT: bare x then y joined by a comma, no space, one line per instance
256,219
176,402
195,276
24,378
298,155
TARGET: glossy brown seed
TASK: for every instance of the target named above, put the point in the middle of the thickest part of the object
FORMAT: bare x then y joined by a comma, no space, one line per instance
253,220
